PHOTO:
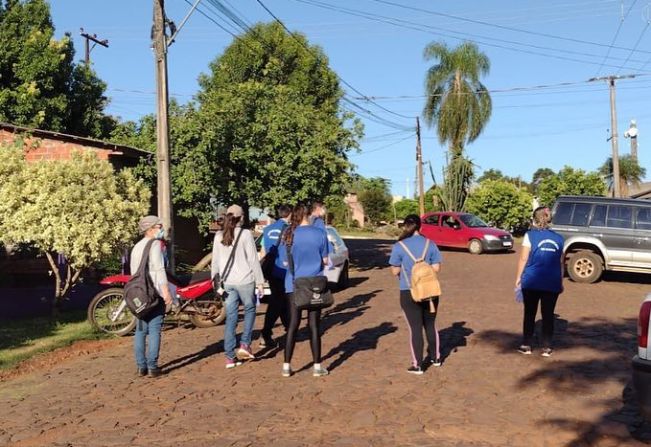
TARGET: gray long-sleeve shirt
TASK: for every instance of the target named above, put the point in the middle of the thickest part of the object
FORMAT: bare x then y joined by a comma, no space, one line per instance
156,263
246,266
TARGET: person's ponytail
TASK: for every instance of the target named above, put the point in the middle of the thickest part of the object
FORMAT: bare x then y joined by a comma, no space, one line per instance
410,226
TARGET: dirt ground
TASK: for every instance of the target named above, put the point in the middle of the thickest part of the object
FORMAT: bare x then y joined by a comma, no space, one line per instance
485,394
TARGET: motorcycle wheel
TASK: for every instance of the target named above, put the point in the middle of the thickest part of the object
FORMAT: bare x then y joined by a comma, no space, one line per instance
103,305
214,313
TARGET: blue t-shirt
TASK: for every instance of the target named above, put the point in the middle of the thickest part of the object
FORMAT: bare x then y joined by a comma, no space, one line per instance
270,236
309,247
318,222
543,269
416,245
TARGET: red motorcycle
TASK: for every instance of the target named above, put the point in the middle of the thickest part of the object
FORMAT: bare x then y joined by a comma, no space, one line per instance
108,311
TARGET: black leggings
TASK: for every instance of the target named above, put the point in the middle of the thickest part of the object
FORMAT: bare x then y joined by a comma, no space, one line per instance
419,317
314,323
276,307
547,305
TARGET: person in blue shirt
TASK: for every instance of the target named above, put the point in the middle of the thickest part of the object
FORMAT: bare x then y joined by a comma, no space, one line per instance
277,306
540,277
308,247
417,314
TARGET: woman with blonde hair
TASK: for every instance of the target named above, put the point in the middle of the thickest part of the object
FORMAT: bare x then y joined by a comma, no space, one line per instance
540,278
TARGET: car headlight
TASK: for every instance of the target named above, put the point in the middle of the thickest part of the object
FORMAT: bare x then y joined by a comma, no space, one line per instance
490,237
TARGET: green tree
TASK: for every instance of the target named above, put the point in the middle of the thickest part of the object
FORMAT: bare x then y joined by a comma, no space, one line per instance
570,181
375,196
491,174
40,86
501,203
459,105
539,176
405,207
79,208
630,173
270,125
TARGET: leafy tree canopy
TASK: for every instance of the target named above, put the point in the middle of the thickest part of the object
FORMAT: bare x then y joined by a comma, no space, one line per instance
570,181
40,86
501,203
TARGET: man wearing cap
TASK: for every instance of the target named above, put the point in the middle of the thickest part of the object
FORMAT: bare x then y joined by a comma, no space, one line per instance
152,228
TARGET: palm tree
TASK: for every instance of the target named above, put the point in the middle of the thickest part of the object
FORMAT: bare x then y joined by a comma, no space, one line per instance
459,106
630,173
457,103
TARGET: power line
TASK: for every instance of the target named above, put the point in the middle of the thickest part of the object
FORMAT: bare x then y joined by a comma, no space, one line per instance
637,43
261,3
384,147
619,28
406,24
504,27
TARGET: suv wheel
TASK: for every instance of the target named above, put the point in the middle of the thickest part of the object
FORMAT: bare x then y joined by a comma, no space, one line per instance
585,266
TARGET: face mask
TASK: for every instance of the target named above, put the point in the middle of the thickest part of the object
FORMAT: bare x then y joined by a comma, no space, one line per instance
160,234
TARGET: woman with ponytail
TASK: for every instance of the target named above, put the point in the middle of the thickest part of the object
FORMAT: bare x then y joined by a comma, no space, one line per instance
304,250
540,278
418,315
235,259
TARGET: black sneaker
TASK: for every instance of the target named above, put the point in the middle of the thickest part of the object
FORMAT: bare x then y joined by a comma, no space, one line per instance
142,372
415,370
524,349
267,342
154,372
547,352
436,362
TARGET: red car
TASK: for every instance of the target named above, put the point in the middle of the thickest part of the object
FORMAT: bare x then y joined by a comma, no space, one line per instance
463,230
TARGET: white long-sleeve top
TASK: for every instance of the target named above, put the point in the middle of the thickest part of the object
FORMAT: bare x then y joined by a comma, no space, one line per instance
246,266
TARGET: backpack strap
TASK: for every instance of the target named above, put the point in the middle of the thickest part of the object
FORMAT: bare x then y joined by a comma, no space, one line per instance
404,246
144,261
422,258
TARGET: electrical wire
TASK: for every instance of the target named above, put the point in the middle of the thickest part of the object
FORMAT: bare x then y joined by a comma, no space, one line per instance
503,27
261,3
612,42
381,148
637,43
406,24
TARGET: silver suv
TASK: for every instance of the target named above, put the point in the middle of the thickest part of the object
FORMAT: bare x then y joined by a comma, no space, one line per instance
603,233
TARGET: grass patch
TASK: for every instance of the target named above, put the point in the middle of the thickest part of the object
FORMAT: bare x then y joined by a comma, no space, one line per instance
24,338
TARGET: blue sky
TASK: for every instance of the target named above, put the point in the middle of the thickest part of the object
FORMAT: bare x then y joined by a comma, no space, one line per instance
529,129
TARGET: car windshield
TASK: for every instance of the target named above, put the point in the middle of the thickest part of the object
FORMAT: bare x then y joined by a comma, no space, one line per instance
472,221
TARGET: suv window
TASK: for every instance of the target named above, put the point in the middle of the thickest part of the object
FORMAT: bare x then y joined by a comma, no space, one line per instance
432,220
572,214
599,216
620,216
563,213
643,219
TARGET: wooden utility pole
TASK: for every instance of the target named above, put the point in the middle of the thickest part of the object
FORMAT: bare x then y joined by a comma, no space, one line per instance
613,127
162,130
419,161
96,41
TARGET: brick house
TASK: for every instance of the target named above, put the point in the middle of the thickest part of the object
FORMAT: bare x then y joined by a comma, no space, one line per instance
49,145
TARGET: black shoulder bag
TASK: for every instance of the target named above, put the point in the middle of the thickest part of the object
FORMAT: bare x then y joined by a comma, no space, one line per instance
219,280
139,292
310,292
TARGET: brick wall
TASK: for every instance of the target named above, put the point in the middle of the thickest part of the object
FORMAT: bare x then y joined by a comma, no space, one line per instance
49,149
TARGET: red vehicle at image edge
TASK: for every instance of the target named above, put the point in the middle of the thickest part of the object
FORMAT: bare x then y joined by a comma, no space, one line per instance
464,230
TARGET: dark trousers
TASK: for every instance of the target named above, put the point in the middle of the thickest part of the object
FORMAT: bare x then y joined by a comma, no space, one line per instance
547,305
277,307
314,323
419,317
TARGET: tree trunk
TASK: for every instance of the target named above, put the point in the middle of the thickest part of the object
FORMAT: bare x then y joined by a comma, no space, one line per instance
57,284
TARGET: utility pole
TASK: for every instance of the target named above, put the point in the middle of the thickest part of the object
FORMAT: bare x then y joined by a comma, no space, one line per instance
159,44
96,41
419,160
613,126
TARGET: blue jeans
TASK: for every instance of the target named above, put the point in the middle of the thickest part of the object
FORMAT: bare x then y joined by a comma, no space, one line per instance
238,293
149,326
